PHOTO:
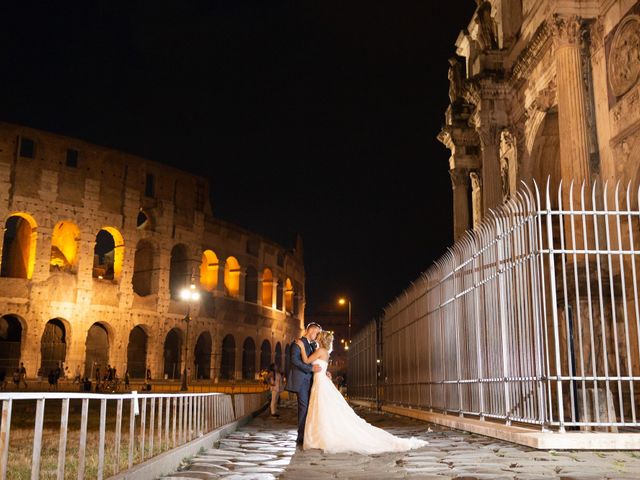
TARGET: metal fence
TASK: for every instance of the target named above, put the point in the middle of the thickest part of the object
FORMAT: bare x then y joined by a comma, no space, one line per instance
363,364
533,317
100,446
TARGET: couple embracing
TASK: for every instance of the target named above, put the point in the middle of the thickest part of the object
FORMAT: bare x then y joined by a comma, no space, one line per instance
325,419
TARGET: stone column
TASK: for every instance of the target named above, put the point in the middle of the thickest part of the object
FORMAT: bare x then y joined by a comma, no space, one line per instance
219,290
164,267
490,173
42,266
238,354
86,246
260,287
461,214
274,292
572,112
242,278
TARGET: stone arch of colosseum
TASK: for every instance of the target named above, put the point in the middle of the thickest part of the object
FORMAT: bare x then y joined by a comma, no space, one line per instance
172,353
209,270
19,246
13,332
202,356
228,360
248,358
251,284
265,354
99,344
55,341
138,350
146,268
88,251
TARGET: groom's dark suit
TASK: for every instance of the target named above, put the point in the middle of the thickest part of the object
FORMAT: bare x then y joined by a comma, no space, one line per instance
299,381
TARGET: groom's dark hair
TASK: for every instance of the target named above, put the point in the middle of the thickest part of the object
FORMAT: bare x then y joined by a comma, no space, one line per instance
313,324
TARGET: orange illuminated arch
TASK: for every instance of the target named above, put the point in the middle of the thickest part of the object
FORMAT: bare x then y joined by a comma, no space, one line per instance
209,270
232,277
64,246
19,246
267,288
288,296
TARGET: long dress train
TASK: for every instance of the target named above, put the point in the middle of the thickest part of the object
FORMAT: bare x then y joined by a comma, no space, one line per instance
333,426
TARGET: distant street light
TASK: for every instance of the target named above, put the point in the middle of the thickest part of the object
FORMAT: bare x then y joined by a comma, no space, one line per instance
342,301
189,295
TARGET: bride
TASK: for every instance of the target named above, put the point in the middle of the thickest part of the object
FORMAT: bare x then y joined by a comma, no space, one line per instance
332,425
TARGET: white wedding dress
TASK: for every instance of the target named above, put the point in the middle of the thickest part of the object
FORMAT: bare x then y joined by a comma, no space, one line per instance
334,427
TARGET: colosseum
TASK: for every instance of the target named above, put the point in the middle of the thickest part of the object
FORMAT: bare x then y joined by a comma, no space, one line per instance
99,246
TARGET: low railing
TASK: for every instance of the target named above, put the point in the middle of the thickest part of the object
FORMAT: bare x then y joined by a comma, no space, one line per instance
90,437
244,404
534,317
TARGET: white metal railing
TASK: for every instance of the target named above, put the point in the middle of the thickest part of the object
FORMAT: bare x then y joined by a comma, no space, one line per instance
533,317
157,423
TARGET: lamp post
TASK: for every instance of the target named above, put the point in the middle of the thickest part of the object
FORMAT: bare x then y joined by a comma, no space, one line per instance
342,301
189,295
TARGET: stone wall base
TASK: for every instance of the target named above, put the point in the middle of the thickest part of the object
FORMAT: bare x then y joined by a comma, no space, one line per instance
529,437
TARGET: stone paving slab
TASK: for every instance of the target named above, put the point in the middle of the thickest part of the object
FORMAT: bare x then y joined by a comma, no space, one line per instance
265,449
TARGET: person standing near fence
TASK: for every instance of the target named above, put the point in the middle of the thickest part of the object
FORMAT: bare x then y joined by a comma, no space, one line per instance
274,379
23,375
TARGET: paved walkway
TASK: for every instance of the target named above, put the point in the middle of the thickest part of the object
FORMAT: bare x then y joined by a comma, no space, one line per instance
265,449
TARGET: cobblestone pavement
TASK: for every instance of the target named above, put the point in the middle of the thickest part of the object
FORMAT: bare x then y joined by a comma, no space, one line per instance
265,449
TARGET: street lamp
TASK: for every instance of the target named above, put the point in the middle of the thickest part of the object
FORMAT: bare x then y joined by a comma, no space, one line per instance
189,295
342,301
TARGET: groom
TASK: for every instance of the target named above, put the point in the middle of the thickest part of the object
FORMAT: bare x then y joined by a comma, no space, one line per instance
300,375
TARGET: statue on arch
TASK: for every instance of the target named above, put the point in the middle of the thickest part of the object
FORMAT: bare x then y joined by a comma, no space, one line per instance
456,84
487,29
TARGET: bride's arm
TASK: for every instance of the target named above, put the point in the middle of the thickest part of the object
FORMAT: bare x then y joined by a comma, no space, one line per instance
303,353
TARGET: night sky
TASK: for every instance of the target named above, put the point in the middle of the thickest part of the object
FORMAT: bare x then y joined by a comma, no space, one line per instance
311,117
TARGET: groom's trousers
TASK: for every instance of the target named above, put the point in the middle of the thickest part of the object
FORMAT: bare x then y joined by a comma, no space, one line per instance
303,406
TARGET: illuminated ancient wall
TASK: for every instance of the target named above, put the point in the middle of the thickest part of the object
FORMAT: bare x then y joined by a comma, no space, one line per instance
97,246
537,89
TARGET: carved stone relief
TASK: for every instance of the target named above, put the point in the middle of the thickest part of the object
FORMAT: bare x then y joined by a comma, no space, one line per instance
627,157
624,58
508,164
546,98
476,198
459,178
566,29
624,114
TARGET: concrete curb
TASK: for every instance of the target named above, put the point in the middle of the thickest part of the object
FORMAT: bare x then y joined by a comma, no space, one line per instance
529,437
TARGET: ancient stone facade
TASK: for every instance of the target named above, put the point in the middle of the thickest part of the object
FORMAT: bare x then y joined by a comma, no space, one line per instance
98,246
542,89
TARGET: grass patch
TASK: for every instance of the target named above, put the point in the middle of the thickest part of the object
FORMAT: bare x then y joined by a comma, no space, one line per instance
21,440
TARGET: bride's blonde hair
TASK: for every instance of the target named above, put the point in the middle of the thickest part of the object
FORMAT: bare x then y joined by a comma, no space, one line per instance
325,340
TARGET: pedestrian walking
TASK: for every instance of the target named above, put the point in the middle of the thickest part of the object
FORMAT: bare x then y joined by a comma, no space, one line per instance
274,379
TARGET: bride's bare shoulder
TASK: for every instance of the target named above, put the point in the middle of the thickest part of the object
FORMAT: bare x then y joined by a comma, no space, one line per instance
323,351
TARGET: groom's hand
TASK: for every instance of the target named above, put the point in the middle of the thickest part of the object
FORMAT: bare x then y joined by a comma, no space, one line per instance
317,368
